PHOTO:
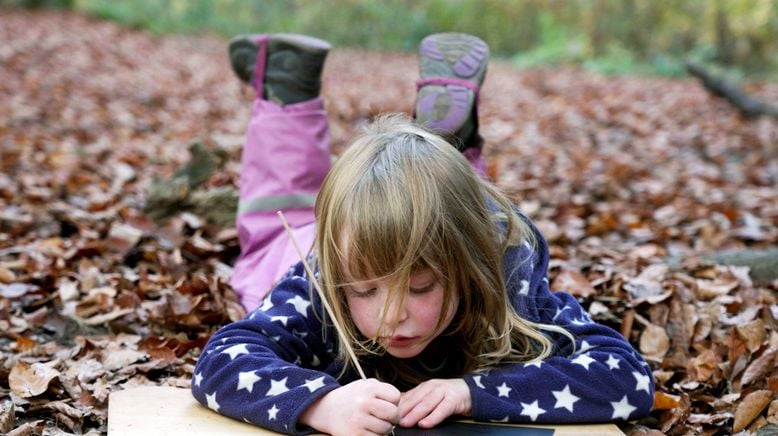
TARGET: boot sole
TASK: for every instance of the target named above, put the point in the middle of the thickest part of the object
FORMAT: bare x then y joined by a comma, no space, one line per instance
243,50
446,108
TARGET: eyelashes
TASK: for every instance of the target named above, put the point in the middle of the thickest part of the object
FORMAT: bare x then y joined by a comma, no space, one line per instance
423,290
373,291
362,294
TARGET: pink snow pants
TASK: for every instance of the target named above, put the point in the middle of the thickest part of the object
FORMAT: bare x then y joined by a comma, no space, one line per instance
285,159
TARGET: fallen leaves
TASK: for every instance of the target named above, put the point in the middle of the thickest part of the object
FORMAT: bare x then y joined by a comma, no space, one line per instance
28,380
751,406
619,173
654,342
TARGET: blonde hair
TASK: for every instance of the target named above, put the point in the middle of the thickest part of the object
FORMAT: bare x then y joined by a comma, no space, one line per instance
408,200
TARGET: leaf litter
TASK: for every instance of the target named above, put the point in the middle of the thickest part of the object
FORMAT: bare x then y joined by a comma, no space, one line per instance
620,173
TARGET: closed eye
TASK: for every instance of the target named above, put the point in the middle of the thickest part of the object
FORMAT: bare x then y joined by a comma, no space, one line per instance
363,294
424,290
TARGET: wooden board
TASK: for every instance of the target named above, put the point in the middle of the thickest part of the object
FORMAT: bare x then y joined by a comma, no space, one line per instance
161,410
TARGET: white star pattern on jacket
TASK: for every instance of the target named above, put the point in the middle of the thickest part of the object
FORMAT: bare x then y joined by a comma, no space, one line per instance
277,387
236,350
583,360
532,410
283,319
211,399
643,382
565,399
314,384
585,346
524,288
622,409
267,304
559,312
287,355
300,305
272,412
613,362
247,379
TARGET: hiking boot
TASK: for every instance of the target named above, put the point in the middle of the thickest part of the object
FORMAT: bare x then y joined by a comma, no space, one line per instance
290,65
452,67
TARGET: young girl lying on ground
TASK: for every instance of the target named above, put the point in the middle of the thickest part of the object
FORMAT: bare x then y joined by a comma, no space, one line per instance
438,281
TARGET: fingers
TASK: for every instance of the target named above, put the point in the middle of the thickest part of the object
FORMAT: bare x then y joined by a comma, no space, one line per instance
377,426
438,414
387,392
384,410
418,407
431,402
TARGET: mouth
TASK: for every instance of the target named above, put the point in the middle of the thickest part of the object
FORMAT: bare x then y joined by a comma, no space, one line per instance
399,341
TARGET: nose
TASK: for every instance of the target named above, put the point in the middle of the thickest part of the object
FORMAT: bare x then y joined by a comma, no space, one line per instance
395,310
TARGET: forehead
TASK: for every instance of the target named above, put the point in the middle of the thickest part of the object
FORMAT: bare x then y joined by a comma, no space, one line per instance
366,267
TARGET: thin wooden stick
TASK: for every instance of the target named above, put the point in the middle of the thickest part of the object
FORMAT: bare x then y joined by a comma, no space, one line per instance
327,307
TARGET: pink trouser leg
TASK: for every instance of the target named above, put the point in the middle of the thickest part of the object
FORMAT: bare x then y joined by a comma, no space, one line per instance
285,159
473,155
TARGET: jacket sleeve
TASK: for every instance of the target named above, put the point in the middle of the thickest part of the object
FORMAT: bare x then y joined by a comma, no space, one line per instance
269,367
603,379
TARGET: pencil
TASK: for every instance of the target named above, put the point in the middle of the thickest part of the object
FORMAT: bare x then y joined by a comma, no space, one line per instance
327,307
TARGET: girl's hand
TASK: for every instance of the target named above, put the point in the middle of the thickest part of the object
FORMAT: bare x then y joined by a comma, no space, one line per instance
434,400
363,407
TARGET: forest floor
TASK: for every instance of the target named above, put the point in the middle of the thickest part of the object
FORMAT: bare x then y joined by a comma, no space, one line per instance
619,173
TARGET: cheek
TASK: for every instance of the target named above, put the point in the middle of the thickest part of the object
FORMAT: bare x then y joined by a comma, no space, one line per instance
362,314
428,310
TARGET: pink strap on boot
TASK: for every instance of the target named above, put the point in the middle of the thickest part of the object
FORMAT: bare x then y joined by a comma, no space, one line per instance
259,69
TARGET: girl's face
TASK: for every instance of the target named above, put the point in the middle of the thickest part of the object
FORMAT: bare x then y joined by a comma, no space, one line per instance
409,325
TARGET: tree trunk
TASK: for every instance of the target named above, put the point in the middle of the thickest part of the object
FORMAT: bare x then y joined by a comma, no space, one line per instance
730,91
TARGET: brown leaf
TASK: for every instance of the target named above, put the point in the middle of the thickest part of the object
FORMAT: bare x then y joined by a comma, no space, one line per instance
106,317
670,417
708,289
24,344
28,429
6,275
7,416
664,401
743,317
654,342
163,354
772,412
705,366
66,409
763,364
573,283
750,407
28,380
122,238
114,360
752,334
648,283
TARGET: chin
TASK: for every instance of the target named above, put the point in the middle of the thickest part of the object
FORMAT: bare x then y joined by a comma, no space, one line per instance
405,352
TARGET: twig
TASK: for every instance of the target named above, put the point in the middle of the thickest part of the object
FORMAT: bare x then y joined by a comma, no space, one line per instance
327,307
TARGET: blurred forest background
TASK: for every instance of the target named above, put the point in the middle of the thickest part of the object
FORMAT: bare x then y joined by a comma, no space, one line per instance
603,36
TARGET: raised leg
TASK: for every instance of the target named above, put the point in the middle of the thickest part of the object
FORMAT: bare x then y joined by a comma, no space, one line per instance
285,158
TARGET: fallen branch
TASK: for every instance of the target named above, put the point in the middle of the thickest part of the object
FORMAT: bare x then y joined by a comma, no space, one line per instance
763,263
730,91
